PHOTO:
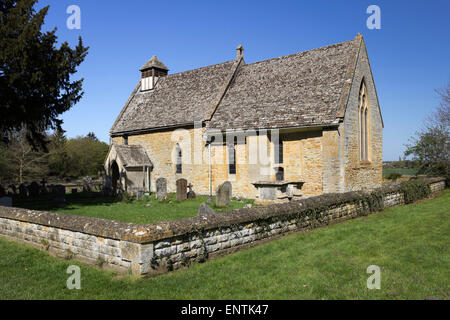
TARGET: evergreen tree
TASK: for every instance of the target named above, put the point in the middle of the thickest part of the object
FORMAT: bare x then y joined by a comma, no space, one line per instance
58,161
35,75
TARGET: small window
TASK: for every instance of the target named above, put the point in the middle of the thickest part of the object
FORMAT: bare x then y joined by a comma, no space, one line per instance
279,152
125,140
279,174
179,168
232,159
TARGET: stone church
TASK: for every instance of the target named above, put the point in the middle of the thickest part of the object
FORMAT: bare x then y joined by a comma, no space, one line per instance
289,127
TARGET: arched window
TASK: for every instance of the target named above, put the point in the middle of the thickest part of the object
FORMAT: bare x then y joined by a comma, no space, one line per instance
179,160
363,112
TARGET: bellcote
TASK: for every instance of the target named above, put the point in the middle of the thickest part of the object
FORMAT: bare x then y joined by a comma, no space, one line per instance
151,72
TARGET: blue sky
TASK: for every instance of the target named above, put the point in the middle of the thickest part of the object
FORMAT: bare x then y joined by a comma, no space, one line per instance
409,55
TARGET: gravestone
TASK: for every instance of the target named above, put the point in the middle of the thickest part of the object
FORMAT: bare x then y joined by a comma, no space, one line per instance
59,195
223,194
181,189
43,188
161,189
87,184
107,188
12,189
6,201
23,192
34,189
204,210
191,194
2,191
139,194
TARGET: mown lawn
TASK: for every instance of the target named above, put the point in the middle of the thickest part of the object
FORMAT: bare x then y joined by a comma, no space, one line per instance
142,212
409,243
402,171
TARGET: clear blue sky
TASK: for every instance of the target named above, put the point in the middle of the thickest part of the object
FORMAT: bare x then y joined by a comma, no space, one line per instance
409,55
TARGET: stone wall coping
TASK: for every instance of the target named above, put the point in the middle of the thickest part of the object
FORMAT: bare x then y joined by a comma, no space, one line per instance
145,233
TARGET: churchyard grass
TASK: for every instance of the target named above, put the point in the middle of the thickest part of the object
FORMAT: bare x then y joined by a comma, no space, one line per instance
402,171
409,243
143,211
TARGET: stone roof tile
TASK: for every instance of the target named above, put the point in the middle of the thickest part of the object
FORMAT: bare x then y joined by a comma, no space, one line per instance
177,99
133,155
302,89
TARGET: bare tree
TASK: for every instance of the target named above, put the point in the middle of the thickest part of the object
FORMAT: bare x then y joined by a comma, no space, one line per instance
25,162
442,114
430,147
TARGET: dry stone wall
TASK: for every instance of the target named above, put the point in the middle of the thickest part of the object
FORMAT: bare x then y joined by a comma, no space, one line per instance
170,245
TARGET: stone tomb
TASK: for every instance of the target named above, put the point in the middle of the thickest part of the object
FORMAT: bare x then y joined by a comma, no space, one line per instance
181,189
278,191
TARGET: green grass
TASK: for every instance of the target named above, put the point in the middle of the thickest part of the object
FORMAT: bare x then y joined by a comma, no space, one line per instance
136,212
409,243
402,171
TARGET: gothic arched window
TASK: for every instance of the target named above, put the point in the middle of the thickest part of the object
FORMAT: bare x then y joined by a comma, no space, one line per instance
363,114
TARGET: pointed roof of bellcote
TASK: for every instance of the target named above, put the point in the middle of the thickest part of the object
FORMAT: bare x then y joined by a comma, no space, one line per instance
154,62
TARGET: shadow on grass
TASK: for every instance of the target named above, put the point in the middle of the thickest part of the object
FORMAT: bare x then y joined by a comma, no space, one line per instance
46,203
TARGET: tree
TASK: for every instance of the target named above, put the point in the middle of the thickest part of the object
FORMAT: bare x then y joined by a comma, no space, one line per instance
35,76
86,156
92,136
25,163
58,160
430,147
442,114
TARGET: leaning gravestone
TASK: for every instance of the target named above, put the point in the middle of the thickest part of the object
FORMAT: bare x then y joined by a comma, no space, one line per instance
161,189
204,210
6,201
223,194
181,189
